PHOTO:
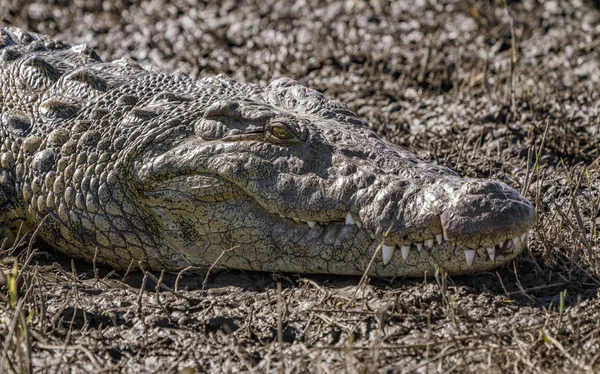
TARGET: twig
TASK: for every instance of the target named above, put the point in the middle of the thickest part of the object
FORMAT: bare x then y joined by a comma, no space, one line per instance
94,264
502,284
513,61
566,354
164,286
364,277
89,354
537,159
279,313
127,271
183,271
141,293
205,281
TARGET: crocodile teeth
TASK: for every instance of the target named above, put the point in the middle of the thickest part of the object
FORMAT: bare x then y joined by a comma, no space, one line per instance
311,224
419,246
445,237
387,251
469,256
515,240
438,237
350,220
429,243
405,250
524,237
491,253
359,224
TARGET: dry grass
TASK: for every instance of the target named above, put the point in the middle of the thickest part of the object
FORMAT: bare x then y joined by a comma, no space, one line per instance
498,90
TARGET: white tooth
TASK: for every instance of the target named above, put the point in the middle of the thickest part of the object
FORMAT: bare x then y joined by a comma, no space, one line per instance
296,219
491,252
359,224
419,246
515,240
349,219
429,243
438,237
387,251
469,256
523,237
405,249
311,224
445,237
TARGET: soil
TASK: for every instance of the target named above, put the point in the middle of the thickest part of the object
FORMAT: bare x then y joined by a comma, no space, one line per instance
507,90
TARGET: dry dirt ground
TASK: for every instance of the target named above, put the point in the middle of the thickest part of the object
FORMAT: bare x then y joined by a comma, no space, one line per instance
439,77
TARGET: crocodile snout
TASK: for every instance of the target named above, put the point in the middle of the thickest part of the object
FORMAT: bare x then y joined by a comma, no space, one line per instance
483,212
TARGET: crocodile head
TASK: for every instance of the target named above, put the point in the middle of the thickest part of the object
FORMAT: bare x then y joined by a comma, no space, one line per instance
281,179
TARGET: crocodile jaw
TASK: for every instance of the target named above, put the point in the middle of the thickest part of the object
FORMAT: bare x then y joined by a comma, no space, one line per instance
275,244
215,220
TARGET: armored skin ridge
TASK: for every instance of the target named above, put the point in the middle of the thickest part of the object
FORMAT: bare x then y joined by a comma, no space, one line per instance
128,164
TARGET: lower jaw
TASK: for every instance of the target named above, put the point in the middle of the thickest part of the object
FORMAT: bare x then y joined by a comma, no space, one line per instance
335,248
356,260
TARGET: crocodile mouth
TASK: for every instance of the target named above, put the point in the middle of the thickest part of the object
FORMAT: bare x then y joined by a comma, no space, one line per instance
473,225
436,250
458,238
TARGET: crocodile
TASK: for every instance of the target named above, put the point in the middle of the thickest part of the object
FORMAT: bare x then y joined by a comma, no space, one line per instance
121,164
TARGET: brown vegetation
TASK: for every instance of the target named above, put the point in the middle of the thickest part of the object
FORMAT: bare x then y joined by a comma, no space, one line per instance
507,90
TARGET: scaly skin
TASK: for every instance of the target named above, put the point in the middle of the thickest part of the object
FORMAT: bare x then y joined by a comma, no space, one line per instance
134,165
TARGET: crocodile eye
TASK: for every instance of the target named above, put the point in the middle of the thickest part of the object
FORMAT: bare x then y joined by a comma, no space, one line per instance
279,131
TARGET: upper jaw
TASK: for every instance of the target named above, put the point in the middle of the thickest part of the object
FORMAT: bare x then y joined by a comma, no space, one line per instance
461,225
470,212
406,259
